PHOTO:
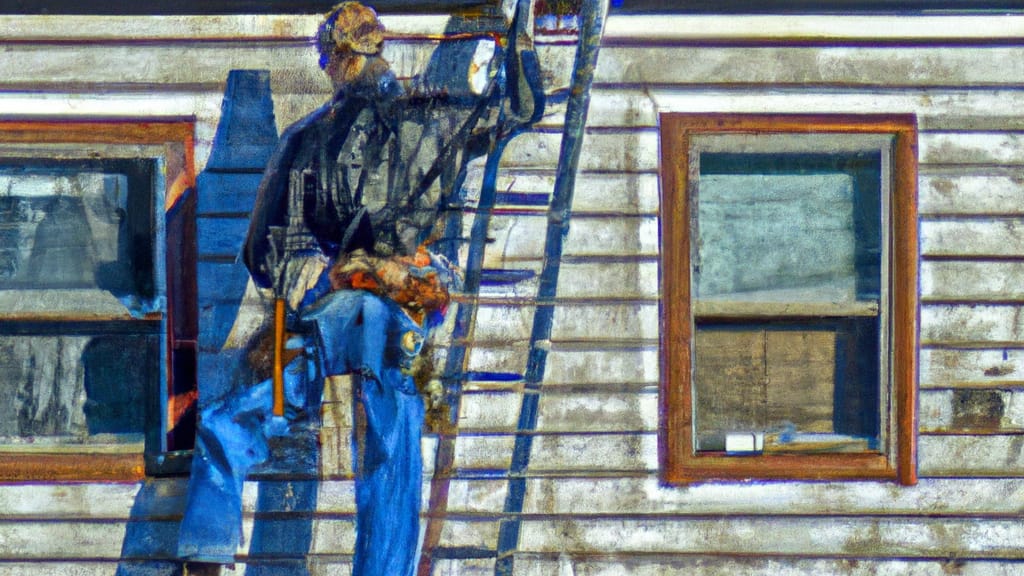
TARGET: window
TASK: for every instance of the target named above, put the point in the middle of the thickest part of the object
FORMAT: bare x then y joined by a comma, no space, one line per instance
789,282
97,317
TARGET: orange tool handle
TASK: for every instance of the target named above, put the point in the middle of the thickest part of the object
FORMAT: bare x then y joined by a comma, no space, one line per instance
279,357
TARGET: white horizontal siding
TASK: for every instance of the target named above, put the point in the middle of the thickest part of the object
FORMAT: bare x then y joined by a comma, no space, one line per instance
594,505
663,564
828,65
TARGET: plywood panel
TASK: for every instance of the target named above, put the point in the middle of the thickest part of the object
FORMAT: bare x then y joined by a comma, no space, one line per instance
731,382
801,374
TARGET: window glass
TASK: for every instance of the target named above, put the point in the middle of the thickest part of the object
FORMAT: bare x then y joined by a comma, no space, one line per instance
80,350
786,271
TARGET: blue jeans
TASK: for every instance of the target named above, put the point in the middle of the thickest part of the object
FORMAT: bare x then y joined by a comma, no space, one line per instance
344,332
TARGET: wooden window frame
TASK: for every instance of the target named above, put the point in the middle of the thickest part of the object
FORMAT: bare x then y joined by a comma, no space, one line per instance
172,141
680,463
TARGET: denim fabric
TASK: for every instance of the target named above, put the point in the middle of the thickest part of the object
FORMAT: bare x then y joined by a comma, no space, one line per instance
344,332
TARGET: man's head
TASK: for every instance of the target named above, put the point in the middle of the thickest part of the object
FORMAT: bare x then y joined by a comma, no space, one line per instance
349,35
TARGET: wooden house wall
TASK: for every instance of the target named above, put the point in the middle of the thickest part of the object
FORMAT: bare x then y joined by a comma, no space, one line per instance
593,503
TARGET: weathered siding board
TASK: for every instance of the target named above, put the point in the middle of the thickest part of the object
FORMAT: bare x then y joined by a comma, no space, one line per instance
971,456
596,364
980,66
632,453
595,453
561,564
972,281
69,540
971,368
646,495
78,568
973,323
66,66
55,501
621,194
574,416
815,537
636,150
994,236
521,237
975,409
999,192
938,108
562,411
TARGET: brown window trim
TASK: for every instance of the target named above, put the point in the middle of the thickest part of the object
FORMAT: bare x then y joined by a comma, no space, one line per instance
176,136
679,462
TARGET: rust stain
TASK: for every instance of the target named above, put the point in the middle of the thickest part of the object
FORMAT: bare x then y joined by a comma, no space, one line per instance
973,409
943,186
1016,449
1001,370
953,567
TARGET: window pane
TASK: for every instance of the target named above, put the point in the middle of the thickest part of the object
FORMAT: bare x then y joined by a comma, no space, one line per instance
788,228
75,389
71,228
786,280
798,383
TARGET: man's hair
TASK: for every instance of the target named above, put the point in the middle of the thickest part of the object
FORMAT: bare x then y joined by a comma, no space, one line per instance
349,27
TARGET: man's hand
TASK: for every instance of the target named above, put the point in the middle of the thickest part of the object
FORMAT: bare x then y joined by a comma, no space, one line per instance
302,274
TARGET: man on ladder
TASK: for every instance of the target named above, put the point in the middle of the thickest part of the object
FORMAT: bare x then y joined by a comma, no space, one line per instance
344,281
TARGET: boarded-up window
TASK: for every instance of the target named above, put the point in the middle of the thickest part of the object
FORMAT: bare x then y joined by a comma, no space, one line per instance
789,254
